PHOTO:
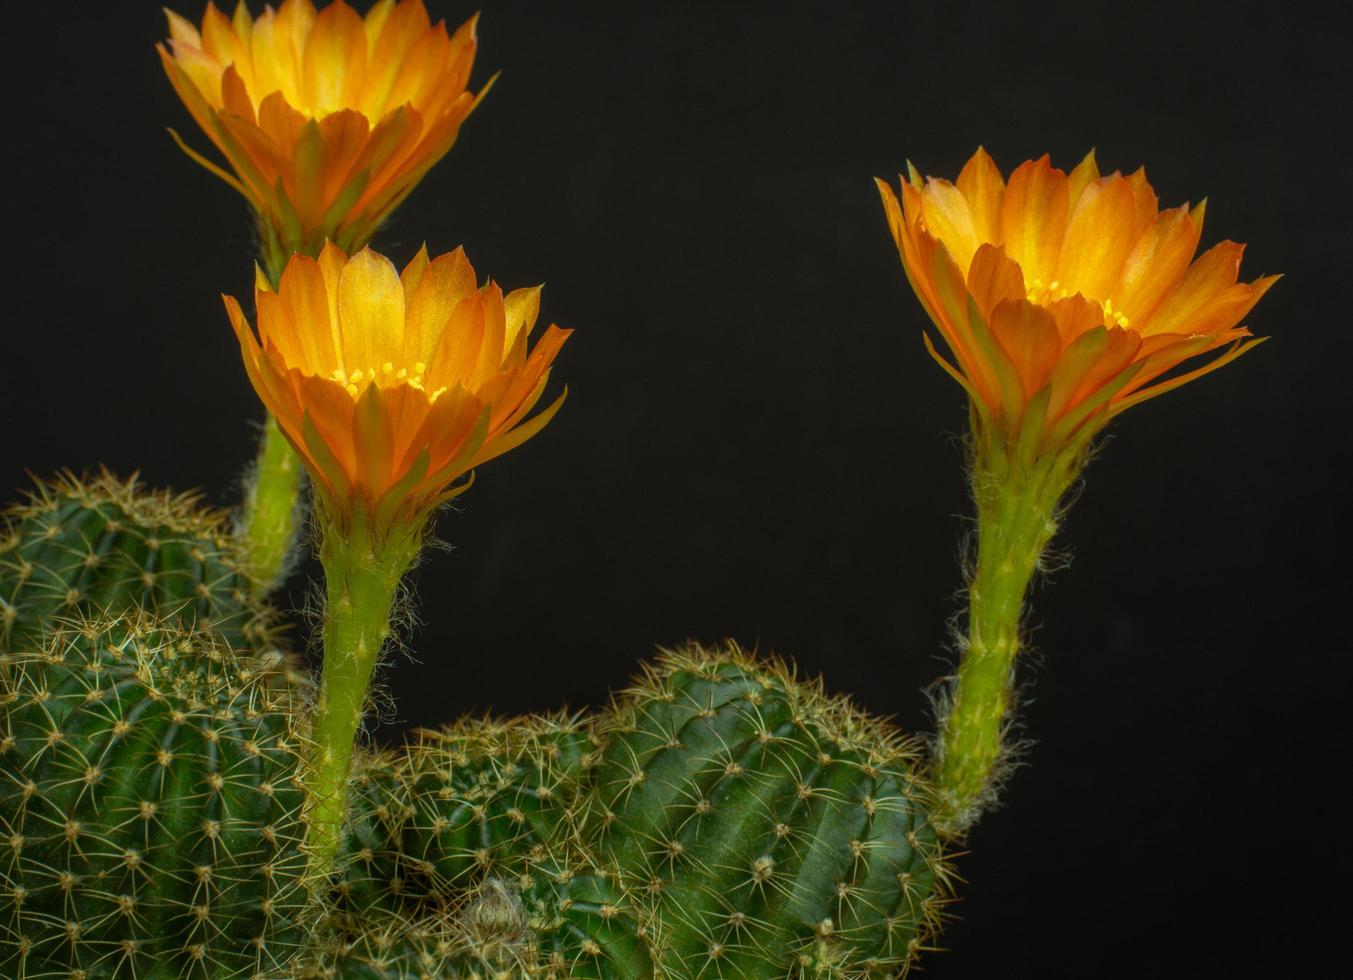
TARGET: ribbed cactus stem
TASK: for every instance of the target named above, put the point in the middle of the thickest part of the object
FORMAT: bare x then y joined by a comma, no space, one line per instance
362,571
1016,495
271,513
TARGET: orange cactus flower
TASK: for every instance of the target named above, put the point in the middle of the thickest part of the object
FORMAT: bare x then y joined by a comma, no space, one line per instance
1066,298
391,386
327,119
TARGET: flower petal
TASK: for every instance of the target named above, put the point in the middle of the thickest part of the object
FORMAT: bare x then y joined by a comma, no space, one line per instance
1099,236
946,216
1029,335
983,187
1033,218
370,310
994,277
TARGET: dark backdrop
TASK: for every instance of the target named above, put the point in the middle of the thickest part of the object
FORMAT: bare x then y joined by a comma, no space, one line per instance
756,444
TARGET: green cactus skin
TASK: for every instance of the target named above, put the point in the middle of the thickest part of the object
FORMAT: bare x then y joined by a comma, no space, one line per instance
455,805
102,546
553,920
151,809
777,832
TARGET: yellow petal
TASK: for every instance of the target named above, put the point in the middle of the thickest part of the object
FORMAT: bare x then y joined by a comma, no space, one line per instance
1033,218
370,311
946,216
983,187
1098,237
521,307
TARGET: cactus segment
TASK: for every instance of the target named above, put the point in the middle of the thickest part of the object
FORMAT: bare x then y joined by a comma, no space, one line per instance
554,919
456,805
102,546
776,831
150,808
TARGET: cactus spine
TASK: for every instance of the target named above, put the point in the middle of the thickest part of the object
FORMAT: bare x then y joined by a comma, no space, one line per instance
150,809
457,805
555,919
776,831
82,547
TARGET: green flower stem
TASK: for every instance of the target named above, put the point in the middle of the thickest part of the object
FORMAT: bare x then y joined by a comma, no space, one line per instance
1017,509
271,516
272,509
362,571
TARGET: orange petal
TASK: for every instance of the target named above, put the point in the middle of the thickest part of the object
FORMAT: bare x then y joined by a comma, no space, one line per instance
1093,359
1029,335
305,331
235,97
1099,236
1144,201
521,307
1075,315
410,276
946,216
421,68
408,408
1211,275
518,435
375,20
373,441
345,134
370,311
1081,176
1033,218
441,286
514,399
491,351
181,29
458,343
954,320
444,432
1157,264
401,30
1142,395
194,97
219,39
334,60
1221,315
994,277
331,409
982,185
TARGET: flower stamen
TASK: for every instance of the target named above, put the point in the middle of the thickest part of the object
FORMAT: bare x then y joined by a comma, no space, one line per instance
1112,316
387,377
1045,294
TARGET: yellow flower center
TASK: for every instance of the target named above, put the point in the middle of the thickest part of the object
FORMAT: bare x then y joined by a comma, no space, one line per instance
388,376
1045,294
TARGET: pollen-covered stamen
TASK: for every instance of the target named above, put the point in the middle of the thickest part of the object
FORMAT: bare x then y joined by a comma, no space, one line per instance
1113,316
1045,294
388,376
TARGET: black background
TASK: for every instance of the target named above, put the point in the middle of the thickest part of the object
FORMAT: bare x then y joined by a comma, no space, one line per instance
756,445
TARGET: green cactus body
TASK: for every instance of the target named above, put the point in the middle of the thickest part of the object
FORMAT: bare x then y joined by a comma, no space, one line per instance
778,832
103,546
429,821
550,921
150,809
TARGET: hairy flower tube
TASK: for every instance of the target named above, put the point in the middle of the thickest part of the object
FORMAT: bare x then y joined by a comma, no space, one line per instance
390,387
1064,298
326,119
